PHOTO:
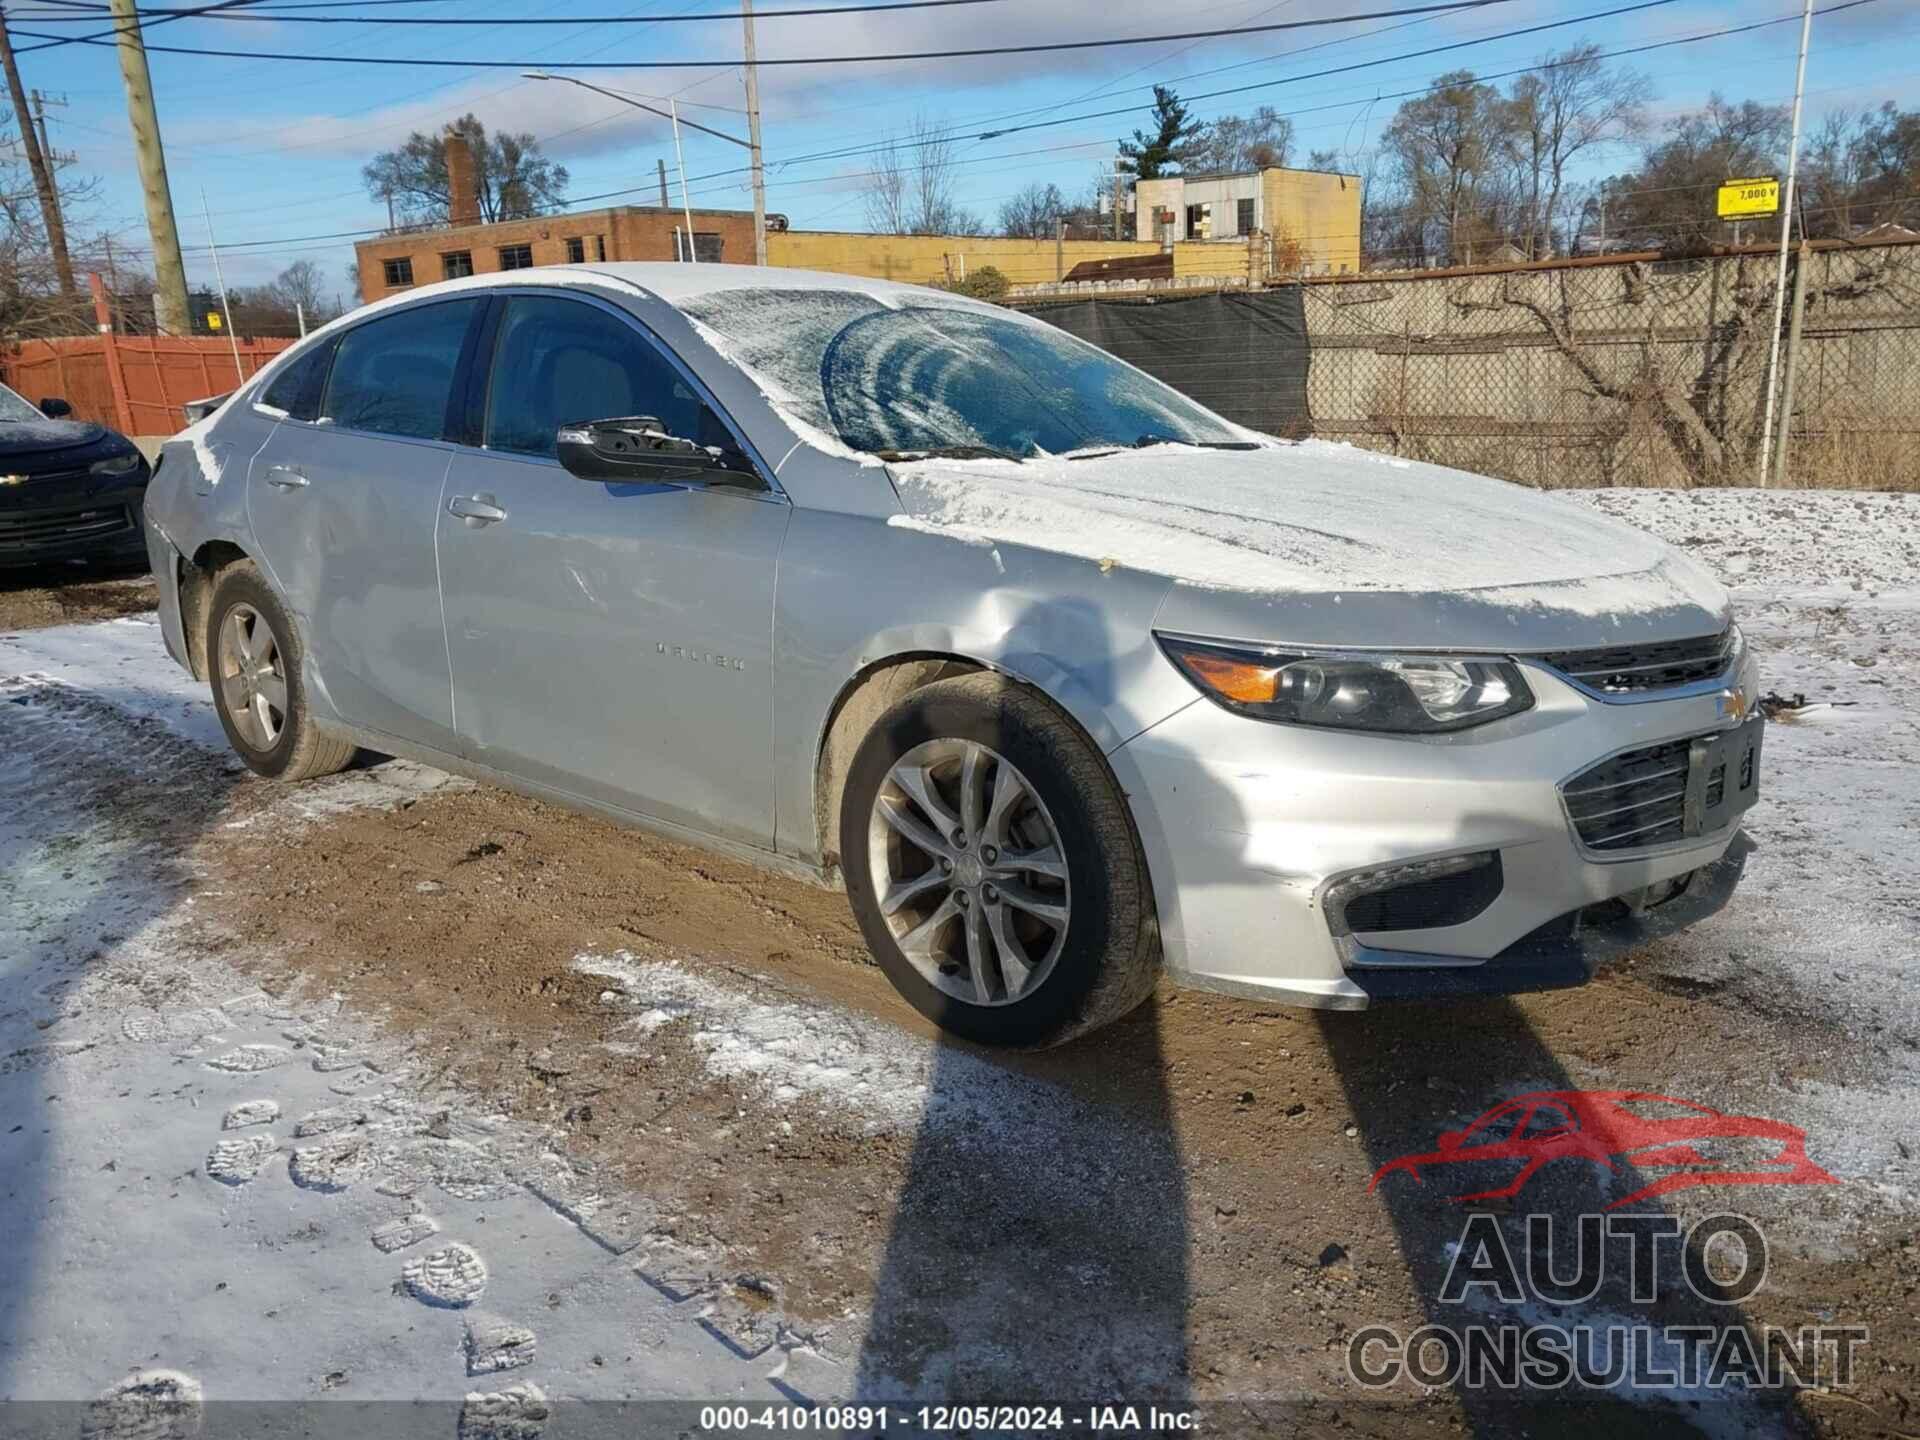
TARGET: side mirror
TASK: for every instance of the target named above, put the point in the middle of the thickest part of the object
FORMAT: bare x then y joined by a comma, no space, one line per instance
638,447
54,408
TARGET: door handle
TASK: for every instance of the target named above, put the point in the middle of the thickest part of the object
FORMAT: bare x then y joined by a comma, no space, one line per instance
476,509
285,477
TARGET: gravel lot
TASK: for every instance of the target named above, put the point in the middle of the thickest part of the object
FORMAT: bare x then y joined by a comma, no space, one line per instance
529,1101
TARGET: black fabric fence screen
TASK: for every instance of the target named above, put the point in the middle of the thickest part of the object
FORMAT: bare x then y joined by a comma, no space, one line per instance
1241,354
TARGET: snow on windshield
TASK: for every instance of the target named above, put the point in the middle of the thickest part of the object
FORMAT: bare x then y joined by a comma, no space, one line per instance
930,374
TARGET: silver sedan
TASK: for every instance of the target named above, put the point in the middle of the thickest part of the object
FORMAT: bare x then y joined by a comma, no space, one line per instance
1068,681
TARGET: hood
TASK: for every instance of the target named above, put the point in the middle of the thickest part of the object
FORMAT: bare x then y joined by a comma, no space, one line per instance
1325,530
20,439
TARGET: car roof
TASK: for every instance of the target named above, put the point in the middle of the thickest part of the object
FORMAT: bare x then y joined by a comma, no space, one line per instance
677,282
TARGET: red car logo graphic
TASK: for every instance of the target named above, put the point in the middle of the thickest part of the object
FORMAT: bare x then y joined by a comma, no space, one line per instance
1692,1144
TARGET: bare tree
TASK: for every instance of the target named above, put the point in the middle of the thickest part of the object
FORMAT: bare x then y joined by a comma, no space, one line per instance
1034,213
1668,201
514,178
1242,142
34,301
1573,104
303,285
1448,154
910,186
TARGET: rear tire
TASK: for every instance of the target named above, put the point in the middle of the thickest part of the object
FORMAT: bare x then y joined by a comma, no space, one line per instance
255,662
993,868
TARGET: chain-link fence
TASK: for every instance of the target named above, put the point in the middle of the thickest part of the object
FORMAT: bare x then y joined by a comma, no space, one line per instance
1637,372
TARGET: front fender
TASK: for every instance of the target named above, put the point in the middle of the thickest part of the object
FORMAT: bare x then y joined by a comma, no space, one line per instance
1080,633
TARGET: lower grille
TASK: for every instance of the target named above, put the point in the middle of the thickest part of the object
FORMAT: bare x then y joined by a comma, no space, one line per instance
42,527
1636,669
1634,799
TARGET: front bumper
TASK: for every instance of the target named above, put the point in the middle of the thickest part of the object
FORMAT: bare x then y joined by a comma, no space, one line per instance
72,515
1247,826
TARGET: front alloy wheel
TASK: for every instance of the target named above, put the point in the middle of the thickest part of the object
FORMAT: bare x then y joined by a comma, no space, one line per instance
970,872
992,865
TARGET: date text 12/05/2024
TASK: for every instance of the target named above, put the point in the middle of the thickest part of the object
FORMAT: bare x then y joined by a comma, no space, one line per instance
934,1419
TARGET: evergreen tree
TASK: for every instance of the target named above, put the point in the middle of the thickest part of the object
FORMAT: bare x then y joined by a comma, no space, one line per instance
1147,157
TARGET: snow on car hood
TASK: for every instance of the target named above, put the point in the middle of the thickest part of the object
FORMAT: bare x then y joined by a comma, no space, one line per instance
1311,516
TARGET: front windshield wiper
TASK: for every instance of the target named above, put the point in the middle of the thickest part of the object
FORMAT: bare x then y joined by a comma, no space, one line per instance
950,452
1145,440
1114,447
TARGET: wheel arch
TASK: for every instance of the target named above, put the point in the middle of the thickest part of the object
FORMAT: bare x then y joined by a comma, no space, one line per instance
879,685
197,576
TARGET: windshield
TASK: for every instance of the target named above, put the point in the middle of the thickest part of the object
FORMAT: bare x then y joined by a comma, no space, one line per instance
936,376
12,407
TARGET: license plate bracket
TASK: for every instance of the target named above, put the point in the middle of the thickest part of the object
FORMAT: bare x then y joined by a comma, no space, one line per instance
1723,777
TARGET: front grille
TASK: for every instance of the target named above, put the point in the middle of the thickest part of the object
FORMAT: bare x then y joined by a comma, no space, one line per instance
1632,800
42,527
1636,669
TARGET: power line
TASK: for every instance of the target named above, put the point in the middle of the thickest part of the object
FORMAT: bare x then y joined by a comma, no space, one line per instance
988,52
273,15
852,151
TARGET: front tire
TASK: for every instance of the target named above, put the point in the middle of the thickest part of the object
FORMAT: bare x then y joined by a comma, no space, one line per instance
254,660
993,867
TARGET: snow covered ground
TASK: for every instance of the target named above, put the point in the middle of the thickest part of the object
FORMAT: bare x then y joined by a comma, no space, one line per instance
214,1192
213,1188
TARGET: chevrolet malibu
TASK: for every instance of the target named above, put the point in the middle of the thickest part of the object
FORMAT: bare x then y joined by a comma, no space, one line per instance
1065,679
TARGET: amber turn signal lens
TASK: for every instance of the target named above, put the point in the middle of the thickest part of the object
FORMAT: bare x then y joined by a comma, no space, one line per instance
1240,680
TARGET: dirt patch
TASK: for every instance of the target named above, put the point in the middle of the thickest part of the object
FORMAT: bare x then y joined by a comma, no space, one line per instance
1199,1222
35,599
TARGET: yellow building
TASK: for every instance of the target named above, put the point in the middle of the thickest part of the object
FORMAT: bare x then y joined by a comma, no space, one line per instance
926,259
1277,221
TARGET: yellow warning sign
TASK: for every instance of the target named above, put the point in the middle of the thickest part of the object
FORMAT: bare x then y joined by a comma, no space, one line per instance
1740,199
213,319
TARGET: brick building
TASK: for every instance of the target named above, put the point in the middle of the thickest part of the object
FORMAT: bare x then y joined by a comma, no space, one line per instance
392,263
469,246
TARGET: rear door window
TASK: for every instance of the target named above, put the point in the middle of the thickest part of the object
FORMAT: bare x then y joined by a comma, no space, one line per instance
393,376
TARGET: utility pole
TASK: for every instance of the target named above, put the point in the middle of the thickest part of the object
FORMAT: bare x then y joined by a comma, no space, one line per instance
1119,179
753,140
665,203
169,270
41,164
1801,263
1786,227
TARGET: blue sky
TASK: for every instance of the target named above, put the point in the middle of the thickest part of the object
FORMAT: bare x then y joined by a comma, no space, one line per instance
277,146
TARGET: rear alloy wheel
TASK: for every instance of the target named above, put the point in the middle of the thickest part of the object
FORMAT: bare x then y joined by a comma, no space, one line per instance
993,868
254,657
253,678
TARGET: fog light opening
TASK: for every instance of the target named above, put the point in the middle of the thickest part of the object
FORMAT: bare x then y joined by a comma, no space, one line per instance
1421,895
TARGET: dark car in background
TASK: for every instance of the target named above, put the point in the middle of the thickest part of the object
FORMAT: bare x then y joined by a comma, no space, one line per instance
69,489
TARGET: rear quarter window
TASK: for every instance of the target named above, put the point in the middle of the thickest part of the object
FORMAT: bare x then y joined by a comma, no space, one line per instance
302,382
393,376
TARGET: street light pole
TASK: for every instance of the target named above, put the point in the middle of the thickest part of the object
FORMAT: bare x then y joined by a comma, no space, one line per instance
673,113
680,159
753,140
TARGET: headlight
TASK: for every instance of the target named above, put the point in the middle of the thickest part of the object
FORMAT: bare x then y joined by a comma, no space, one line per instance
122,464
1394,694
